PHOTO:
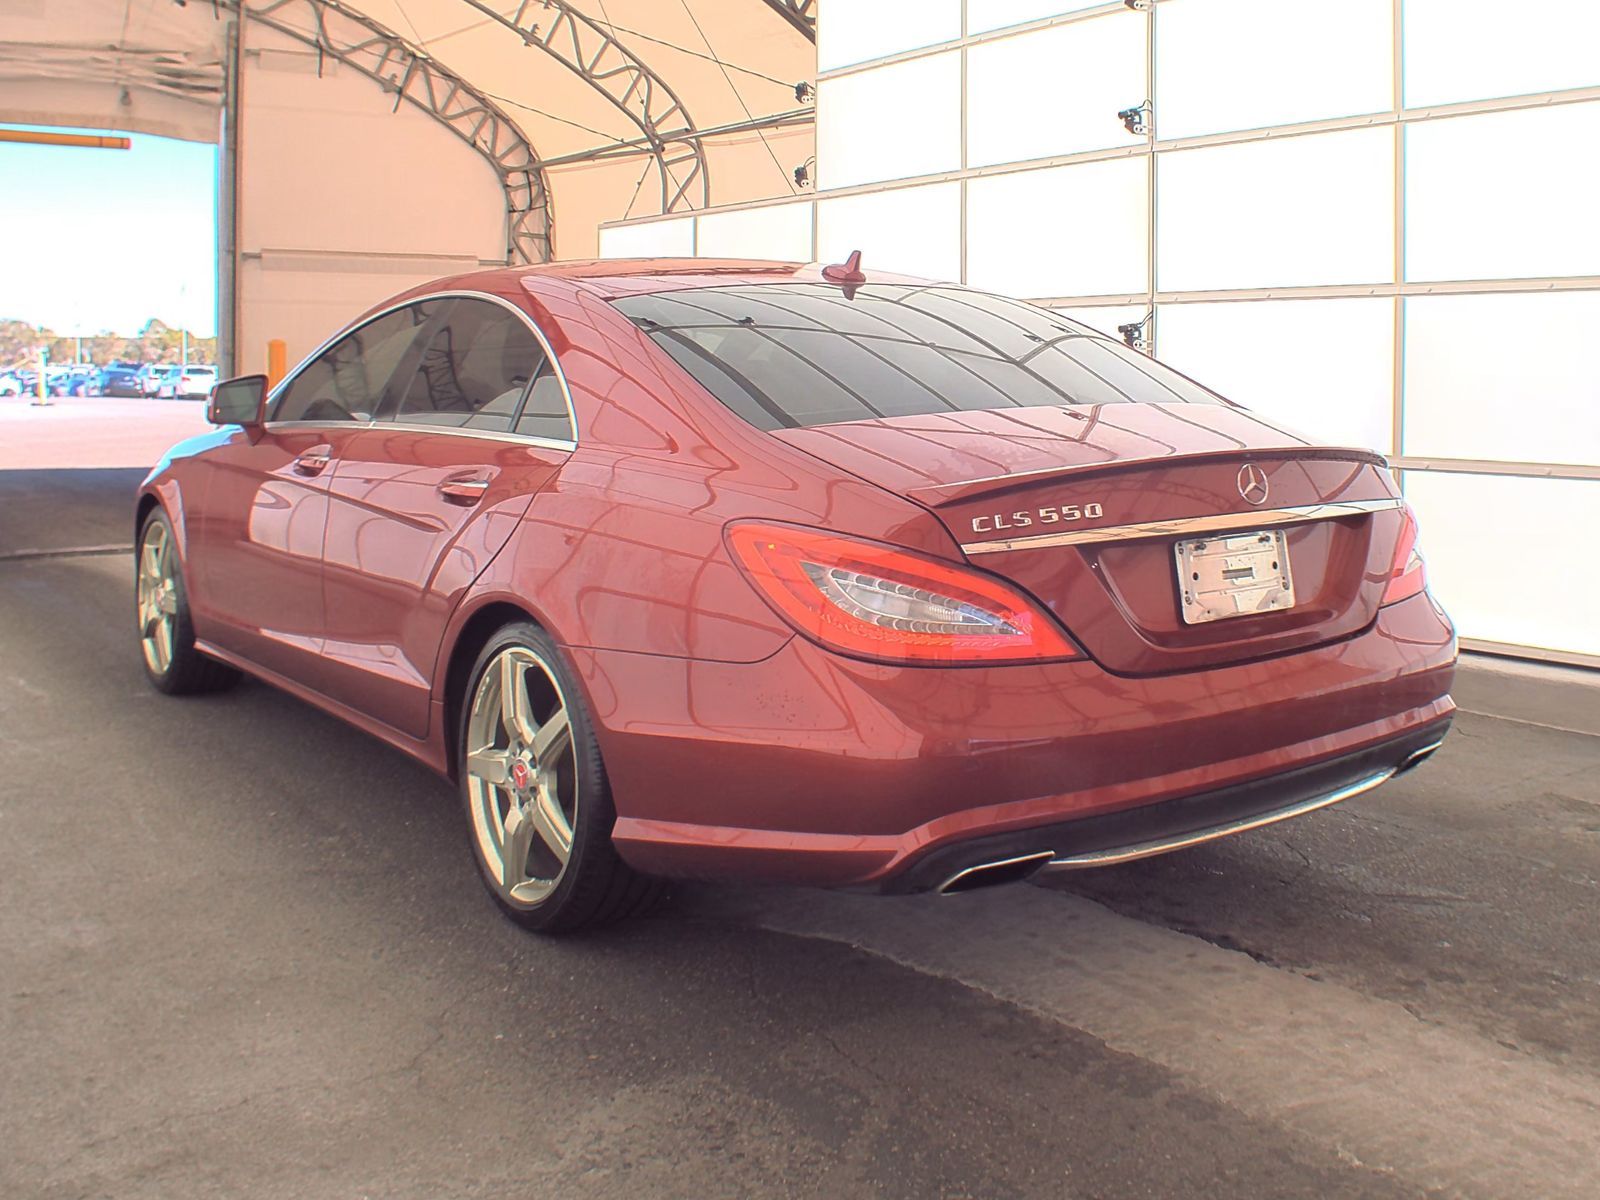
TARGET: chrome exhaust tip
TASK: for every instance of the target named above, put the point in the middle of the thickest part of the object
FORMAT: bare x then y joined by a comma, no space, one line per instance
992,874
1417,757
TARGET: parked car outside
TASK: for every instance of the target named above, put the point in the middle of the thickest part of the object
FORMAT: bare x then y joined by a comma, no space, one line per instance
10,384
166,378
148,378
67,381
195,381
121,381
751,571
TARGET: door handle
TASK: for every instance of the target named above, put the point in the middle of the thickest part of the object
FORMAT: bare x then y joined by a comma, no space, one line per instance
313,461
464,491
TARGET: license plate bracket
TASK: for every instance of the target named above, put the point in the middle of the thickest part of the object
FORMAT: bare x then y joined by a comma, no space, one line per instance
1233,575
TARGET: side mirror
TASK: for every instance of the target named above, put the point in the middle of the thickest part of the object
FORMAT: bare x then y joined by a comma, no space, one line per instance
240,401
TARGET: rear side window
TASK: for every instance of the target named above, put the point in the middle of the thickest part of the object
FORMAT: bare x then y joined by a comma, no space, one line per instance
474,367
787,355
544,413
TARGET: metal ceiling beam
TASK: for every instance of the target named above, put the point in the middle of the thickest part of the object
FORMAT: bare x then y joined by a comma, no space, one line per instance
634,147
414,76
602,61
802,14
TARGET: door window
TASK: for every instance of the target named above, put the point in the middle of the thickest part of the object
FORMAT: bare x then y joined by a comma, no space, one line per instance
348,381
475,365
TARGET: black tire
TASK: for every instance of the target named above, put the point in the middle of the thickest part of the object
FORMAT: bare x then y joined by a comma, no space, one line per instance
188,672
594,886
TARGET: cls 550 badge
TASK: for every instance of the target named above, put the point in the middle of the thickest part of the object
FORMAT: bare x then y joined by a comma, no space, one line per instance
1050,514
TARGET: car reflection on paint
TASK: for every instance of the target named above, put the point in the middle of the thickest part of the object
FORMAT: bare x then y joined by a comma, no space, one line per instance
767,572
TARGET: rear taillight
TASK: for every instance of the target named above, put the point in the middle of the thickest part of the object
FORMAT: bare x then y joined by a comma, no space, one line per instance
875,601
1406,574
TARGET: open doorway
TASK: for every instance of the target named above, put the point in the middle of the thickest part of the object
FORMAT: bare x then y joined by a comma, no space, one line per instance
108,314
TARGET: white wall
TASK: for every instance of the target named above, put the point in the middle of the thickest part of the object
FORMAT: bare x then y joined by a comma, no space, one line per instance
1312,220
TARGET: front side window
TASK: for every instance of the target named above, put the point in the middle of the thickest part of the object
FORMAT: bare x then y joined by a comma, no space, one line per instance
348,380
787,355
473,370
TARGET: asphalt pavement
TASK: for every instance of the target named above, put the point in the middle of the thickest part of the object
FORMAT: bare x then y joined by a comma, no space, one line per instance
243,953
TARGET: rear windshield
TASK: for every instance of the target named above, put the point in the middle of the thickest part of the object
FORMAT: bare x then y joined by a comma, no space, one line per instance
796,354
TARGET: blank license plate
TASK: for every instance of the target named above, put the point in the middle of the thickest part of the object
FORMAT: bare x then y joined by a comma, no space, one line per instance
1233,575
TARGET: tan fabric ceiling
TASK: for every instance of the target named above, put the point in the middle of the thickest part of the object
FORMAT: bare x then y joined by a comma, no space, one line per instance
149,65
155,66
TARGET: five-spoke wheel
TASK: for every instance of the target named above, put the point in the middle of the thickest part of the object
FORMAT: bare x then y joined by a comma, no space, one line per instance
520,776
157,597
166,635
536,791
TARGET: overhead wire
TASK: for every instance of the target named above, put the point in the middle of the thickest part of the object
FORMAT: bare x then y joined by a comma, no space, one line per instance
628,212
634,33
666,170
424,43
783,83
406,17
122,39
721,66
526,107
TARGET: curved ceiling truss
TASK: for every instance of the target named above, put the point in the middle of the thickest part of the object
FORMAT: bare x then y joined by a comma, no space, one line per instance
602,61
802,14
414,76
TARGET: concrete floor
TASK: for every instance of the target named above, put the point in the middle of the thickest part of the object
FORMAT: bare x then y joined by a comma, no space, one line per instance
93,431
243,953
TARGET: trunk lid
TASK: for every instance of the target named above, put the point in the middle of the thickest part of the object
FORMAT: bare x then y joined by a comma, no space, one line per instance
1084,507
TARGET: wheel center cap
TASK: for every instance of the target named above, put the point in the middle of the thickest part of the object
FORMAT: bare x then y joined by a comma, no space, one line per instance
520,774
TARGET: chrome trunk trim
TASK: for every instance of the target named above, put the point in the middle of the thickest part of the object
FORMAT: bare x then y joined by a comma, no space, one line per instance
1182,527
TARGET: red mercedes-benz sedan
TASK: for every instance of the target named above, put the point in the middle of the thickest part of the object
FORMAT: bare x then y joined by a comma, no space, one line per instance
762,571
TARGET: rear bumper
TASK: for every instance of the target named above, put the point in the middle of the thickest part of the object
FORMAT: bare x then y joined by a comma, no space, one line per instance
1172,824
815,769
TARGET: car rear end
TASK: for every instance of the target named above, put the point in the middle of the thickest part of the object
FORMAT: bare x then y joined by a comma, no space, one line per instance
121,381
196,381
1154,618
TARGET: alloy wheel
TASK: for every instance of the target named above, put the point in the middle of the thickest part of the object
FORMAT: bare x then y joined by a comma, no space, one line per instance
522,782
157,597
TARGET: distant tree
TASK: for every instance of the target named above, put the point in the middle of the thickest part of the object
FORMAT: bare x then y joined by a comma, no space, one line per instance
156,342
19,341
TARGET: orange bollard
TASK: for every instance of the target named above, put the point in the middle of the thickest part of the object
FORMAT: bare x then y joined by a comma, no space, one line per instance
277,362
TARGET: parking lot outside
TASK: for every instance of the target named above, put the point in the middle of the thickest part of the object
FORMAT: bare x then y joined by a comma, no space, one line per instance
246,955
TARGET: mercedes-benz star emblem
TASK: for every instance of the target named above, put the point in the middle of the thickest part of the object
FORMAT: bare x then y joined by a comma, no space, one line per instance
1253,483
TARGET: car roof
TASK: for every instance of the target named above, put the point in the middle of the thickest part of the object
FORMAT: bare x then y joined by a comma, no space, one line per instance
614,277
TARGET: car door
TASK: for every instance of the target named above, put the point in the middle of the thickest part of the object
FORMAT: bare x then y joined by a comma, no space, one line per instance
265,505
424,498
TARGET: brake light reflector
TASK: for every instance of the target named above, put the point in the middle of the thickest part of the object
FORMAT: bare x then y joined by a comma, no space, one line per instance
1407,575
876,601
